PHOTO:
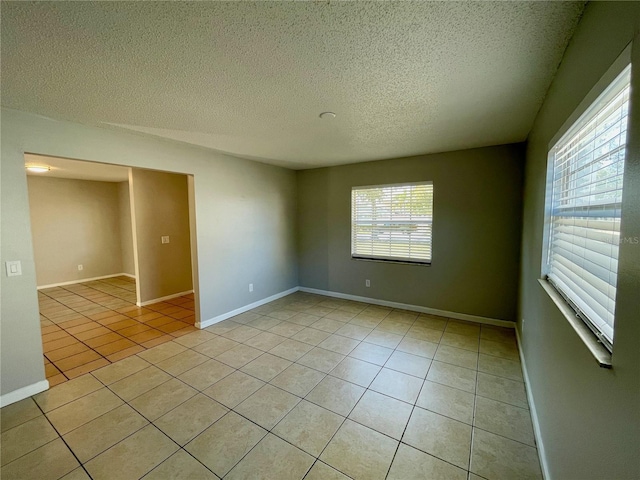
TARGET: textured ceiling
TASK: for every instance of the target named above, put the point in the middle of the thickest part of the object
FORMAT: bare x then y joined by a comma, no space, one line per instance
64,168
250,78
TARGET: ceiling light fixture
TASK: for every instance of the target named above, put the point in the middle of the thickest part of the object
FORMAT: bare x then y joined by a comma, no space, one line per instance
38,168
327,115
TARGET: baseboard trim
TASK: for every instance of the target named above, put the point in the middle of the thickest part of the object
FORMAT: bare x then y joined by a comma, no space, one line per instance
24,392
83,280
246,308
162,299
534,414
413,308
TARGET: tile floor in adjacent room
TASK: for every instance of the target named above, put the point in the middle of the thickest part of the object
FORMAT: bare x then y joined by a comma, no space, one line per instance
304,387
86,326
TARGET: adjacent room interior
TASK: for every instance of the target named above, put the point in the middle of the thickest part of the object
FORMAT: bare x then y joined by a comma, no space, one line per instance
112,259
320,240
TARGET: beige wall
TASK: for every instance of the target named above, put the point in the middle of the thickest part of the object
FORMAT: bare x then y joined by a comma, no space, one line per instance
245,223
74,222
589,417
126,232
161,206
476,232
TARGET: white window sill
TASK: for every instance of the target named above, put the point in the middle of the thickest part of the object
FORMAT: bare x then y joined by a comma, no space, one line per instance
600,353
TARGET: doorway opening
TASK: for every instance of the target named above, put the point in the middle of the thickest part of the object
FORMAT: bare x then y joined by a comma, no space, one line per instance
115,257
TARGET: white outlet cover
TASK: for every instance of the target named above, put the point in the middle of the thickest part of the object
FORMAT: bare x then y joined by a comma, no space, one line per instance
14,268
165,239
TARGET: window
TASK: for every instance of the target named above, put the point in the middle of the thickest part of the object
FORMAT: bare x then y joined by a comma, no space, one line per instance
392,222
584,202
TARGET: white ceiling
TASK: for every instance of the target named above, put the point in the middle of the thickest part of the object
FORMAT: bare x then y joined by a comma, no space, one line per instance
64,168
250,78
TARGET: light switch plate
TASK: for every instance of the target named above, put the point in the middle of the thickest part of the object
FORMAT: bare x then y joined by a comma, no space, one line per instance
165,239
14,268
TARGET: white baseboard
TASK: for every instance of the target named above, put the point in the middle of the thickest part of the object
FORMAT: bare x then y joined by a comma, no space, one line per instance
162,299
24,392
246,308
534,414
128,275
413,308
83,280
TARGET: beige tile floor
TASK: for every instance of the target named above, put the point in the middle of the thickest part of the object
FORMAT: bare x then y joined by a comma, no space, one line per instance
304,387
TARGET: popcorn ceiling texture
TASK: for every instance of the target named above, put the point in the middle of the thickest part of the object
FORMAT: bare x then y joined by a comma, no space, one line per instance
250,78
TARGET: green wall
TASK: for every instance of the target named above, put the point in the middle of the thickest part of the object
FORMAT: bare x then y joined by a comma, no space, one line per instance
588,416
476,231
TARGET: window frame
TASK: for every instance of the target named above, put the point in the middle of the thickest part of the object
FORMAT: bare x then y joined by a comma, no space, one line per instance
602,351
390,259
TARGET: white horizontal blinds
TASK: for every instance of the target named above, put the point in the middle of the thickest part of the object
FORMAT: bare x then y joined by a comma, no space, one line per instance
588,167
392,222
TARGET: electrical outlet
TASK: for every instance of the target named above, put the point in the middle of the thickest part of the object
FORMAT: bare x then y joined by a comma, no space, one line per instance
14,268
367,283
165,239
80,267
250,287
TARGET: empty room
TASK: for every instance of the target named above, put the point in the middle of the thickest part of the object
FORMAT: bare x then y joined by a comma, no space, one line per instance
320,240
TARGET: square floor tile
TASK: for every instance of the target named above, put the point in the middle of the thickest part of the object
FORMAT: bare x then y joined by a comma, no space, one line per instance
360,452
448,401
233,389
336,395
291,350
215,346
298,379
178,466
381,413
311,336
275,459
83,410
502,389
457,356
224,443
439,436
163,398
397,385
265,341
49,462
453,376
140,382
119,370
266,367
104,432
504,419
162,352
384,339
321,359
309,427
239,356
189,419
354,331
133,457
407,363
206,374
500,367
286,329
356,371
371,353
328,325
339,344
322,471
412,464
493,456
267,406
25,438
460,341
182,362
18,413
67,392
